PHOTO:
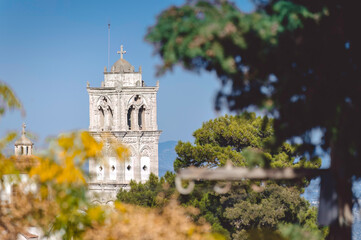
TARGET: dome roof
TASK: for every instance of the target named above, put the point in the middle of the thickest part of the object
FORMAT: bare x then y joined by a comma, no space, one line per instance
23,140
123,66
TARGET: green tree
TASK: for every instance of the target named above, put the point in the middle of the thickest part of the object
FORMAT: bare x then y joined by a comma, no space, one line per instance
249,205
154,193
298,60
244,139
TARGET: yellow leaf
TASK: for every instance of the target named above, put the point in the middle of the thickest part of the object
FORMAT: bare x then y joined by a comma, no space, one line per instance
120,207
91,146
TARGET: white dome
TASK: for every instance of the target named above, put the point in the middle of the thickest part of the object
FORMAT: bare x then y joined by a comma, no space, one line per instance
123,66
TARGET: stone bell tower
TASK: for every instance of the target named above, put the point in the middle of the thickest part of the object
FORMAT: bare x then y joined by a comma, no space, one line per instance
23,146
124,109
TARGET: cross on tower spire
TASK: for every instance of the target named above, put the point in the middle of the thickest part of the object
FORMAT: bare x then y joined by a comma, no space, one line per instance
23,131
121,52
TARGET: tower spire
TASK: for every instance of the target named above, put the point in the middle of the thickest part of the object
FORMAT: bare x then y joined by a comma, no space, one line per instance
23,130
108,42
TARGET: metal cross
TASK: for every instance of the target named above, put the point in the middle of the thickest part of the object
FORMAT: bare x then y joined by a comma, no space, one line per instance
121,52
23,131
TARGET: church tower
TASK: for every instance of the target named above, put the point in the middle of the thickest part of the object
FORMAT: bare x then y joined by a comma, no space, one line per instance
23,146
123,109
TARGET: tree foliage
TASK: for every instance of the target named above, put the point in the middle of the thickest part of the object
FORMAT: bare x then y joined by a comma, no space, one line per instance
244,139
297,60
250,204
154,193
8,100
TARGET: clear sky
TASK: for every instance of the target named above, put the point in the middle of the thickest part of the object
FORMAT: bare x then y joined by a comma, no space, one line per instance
49,49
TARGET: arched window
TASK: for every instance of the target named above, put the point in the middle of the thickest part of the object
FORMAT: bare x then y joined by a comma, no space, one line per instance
145,168
130,118
108,118
101,118
141,118
105,114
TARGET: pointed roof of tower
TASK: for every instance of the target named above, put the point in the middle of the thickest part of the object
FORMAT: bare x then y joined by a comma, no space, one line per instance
23,140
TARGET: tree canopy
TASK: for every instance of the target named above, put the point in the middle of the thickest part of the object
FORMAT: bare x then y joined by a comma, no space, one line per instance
298,61
244,140
249,205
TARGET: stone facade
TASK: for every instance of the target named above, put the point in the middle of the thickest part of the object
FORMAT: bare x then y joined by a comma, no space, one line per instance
123,109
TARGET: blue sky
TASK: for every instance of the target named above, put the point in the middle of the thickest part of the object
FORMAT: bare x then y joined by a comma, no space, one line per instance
49,50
